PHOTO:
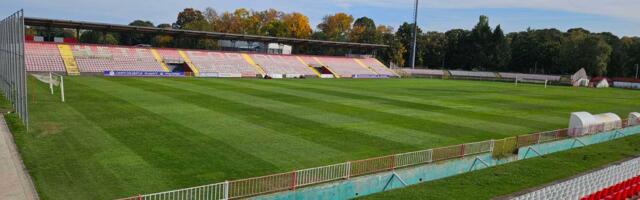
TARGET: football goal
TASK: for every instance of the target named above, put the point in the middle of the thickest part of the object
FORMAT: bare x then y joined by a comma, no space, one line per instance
55,82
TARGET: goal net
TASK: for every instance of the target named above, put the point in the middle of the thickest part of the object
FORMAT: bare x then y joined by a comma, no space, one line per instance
55,82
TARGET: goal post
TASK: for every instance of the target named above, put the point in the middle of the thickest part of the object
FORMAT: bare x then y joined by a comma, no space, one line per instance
54,80
51,82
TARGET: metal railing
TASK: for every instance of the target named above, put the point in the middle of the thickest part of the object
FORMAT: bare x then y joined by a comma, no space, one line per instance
299,178
323,174
414,158
12,64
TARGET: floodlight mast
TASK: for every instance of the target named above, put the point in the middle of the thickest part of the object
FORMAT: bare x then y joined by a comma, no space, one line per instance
415,36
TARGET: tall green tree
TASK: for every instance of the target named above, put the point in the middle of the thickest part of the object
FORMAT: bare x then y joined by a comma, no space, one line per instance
499,51
435,49
188,15
584,50
365,31
137,38
458,49
631,45
619,64
481,36
404,35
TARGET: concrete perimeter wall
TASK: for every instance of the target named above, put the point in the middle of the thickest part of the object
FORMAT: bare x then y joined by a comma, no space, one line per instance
380,182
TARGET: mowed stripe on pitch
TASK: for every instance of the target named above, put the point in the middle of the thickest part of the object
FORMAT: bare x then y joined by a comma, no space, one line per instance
337,138
462,114
465,100
365,113
312,109
185,156
455,94
236,132
419,114
424,108
95,164
528,95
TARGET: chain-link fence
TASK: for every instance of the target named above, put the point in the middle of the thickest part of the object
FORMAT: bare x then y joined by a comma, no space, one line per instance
12,68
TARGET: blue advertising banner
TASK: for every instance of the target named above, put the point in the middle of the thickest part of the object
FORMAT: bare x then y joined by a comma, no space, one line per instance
143,74
369,76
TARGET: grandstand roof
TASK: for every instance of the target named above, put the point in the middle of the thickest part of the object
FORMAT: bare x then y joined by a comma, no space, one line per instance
31,21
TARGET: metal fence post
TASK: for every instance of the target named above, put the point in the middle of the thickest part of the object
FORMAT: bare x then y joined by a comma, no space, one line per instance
393,161
225,191
62,88
51,82
293,180
348,170
491,145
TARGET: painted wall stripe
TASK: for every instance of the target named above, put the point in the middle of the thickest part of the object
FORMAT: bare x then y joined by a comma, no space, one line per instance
309,66
187,60
155,54
69,61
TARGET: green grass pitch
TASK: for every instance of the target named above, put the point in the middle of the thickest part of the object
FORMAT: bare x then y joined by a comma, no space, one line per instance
116,137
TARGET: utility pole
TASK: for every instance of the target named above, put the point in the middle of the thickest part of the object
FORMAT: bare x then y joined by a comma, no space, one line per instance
415,36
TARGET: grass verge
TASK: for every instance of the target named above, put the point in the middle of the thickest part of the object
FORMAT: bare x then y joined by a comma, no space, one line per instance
521,175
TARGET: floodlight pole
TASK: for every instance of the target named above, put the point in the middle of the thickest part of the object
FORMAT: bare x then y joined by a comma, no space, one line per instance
415,36
636,71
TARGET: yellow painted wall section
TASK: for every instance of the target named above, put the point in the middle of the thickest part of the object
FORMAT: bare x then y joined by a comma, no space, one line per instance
305,64
67,58
253,63
391,70
159,60
187,60
329,68
365,66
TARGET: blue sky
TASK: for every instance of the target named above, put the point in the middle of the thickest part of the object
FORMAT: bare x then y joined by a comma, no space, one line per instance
622,17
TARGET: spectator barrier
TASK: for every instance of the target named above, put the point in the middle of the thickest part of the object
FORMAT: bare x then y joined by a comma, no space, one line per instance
291,180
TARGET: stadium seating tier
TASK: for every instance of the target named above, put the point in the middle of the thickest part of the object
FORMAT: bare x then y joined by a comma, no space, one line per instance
345,67
378,67
43,57
221,62
94,58
281,64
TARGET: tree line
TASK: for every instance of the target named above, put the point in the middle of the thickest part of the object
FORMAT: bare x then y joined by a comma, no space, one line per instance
485,48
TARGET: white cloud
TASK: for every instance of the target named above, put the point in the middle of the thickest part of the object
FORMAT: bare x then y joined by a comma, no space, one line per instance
625,9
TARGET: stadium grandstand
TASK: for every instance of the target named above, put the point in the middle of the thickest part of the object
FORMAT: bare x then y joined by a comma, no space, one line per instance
66,55
94,59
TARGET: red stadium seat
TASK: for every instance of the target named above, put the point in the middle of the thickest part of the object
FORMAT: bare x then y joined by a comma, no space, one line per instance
43,57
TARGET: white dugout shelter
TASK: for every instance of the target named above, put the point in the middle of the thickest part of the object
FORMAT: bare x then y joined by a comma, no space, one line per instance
584,123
